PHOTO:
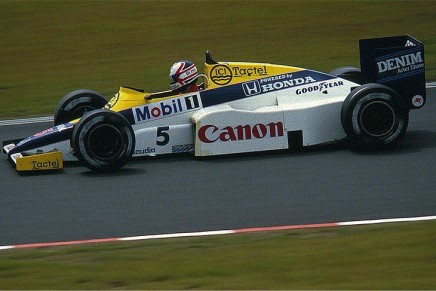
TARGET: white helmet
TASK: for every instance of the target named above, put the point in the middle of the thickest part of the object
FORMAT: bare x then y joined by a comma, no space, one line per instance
183,73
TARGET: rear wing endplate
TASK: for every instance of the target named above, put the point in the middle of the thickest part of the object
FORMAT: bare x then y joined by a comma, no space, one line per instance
397,62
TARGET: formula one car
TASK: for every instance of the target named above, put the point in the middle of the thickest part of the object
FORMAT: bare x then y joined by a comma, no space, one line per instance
244,107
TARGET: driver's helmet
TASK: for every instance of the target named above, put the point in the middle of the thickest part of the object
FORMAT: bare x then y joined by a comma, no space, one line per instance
182,74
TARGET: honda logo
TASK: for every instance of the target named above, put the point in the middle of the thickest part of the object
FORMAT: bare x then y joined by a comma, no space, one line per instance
251,88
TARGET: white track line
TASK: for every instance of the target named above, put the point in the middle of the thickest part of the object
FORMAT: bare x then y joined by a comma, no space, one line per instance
363,222
177,235
26,120
218,232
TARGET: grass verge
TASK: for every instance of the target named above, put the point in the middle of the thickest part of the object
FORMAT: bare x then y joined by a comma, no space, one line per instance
389,256
49,48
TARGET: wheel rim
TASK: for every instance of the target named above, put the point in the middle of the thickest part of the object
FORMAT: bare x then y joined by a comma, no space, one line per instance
105,142
377,119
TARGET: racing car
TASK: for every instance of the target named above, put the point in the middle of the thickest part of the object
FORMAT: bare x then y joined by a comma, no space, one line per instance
244,107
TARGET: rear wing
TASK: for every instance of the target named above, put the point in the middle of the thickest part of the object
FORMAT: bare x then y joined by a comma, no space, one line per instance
397,62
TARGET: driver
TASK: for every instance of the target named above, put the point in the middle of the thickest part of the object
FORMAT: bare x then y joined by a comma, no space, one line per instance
183,77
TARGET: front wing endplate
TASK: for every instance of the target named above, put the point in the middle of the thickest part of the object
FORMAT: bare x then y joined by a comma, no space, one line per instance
40,162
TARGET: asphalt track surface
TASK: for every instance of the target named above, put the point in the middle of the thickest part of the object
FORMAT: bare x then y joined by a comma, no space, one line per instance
182,194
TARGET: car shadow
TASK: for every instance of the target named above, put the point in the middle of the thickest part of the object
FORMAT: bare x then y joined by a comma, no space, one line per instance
412,142
123,172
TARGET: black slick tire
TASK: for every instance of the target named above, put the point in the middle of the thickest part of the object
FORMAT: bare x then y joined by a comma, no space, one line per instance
103,140
374,116
76,103
348,73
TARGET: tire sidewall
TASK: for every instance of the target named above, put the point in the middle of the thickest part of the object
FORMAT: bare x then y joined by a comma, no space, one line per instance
348,73
358,101
78,100
81,140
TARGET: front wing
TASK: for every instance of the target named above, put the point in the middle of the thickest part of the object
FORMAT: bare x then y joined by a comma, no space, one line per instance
35,162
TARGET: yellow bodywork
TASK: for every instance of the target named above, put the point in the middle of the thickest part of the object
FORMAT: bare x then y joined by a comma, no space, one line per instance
215,75
227,73
126,98
39,162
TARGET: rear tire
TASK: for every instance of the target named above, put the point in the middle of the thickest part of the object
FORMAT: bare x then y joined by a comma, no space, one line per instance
348,73
374,116
103,140
76,103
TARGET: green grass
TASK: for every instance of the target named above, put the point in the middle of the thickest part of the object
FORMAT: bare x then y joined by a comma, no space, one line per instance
391,256
49,48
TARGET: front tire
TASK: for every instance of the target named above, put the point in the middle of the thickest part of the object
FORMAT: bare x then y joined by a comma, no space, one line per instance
374,116
103,140
76,103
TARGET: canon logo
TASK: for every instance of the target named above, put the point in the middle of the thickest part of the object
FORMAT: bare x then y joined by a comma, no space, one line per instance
212,133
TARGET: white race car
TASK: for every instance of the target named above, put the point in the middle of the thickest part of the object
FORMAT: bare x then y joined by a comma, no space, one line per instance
244,107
